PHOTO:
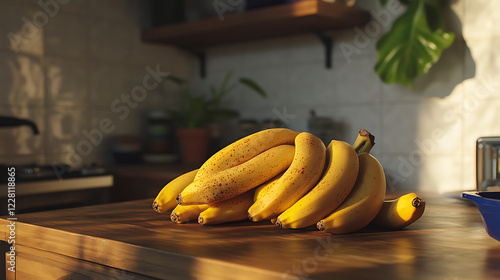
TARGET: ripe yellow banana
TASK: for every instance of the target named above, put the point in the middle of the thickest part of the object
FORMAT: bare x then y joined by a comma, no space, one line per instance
166,198
234,209
245,149
334,186
364,201
400,212
261,190
185,213
231,182
304,172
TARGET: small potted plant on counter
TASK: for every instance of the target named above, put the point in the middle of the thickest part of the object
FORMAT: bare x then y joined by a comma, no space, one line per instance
197,112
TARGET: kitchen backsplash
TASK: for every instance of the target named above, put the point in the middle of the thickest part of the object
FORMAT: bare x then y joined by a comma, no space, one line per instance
425,136
67,75
65,65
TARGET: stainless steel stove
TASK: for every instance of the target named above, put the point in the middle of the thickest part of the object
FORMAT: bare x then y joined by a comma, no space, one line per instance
45,187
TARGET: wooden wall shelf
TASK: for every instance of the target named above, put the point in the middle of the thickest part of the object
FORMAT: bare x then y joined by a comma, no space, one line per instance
309,16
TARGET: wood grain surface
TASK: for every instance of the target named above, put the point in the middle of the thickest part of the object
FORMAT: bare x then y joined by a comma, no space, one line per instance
448,242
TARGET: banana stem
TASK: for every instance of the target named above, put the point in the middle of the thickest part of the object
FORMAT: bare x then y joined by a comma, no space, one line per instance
416,202
364,142
366,148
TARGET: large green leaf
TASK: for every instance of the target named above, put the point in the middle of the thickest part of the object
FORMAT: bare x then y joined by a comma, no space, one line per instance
413,45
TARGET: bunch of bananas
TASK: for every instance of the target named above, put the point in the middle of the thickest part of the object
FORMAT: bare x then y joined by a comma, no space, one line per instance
293,180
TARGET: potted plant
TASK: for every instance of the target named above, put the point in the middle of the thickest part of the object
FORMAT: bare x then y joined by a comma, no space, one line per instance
197,112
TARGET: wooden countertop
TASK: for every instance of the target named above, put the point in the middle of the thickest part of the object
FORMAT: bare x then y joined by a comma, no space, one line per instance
448,242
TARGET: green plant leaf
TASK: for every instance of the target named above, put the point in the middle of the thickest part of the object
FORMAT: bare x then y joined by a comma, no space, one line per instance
223,88
433,12
383,2
198,110
411,47
213,91
253,85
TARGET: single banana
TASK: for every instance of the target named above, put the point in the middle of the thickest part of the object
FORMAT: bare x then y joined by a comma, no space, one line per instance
364,201
185,213
304,172
400,212
334,186
234,209
166,198
246,148
261,190
231,182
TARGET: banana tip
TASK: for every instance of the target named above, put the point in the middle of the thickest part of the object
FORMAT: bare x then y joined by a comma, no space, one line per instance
250,217
156,206
179,199
278,223
200,220
320,225
174,217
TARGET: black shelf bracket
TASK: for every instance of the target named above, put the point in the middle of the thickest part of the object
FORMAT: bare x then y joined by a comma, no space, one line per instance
201,56
328,43
202,59
326,40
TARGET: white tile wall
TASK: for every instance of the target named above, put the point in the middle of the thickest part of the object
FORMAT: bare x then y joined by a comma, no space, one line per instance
110,41
432,126
108,81
67,35
67,81
64,127
68,71
272,79
20,141
21,79
480,19
123,11
75,7
19,34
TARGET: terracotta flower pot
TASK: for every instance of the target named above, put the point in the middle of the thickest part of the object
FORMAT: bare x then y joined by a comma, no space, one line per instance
194,144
